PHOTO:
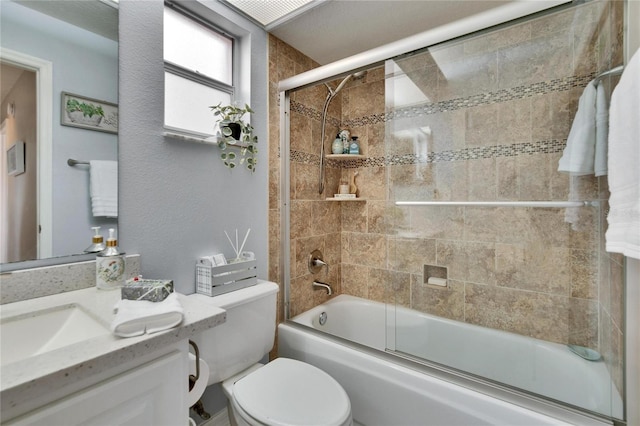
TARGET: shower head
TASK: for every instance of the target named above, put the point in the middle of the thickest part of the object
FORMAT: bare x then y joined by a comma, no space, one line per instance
357,75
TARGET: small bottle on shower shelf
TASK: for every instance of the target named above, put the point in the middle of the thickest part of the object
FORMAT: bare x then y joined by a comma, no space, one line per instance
337,146
354,147
344,136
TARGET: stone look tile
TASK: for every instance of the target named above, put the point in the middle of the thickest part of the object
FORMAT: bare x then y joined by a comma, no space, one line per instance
481,123
583,323
354,216
355,280
369,181
481,263
306,181
437,222
514,121
411,254
534,177
381,217
584,274
447,302
481,175
531,314
300,218
453,255
274,245
364,249
412,182
451,181
540,59
617,293
325,217
534,268
390,287
506,179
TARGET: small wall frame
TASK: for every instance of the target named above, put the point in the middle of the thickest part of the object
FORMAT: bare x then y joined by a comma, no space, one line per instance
15,159
88,113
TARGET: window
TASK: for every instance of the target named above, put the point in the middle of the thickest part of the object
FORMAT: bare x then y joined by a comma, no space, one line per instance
198,64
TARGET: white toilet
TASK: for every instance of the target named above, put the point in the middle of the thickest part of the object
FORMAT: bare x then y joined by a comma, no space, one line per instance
282,392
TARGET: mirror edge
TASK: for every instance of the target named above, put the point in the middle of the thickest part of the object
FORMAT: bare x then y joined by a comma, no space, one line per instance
41,263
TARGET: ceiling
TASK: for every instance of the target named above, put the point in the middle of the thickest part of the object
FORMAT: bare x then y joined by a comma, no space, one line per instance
336,29
100,17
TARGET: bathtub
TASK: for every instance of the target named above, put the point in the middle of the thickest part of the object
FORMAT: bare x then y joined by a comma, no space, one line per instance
389,390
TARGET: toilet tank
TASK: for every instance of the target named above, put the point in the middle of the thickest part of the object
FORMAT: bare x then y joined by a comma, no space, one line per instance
248,333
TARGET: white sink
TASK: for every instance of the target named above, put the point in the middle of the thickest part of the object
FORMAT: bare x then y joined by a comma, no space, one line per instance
35,333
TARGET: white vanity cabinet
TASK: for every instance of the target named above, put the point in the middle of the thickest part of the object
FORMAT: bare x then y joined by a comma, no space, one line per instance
152,393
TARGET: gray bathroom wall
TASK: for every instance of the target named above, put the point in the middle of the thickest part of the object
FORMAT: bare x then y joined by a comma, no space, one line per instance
177,198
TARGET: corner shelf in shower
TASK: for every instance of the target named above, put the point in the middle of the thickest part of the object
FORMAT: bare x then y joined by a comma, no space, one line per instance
344,156
344,199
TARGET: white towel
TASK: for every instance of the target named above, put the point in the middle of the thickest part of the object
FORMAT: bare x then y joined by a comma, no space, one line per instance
104,188
135,317
602,131
578,155
623,234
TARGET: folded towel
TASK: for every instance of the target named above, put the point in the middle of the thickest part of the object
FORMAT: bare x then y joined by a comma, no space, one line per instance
602,131
623,233
104,188
135,317
578,155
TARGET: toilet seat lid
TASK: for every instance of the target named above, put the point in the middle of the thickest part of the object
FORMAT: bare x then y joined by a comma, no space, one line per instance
288,392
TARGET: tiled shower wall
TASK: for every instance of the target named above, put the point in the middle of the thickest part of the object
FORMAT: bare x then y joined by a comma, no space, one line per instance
495,116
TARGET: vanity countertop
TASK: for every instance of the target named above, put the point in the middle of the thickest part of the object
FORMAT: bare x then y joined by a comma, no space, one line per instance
67,365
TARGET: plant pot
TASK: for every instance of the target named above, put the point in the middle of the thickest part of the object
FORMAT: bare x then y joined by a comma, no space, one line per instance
229,129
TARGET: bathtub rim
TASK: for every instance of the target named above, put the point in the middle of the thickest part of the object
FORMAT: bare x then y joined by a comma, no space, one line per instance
550,407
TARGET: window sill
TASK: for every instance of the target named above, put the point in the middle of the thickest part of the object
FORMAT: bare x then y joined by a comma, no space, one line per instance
210,140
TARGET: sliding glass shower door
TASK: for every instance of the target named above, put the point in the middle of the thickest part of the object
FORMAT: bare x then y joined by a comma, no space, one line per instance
497,259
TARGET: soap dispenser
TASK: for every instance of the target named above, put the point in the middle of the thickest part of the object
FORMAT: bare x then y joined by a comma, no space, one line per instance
110,265
337,145
97,242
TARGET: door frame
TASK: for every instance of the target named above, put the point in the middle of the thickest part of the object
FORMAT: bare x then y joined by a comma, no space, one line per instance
44,131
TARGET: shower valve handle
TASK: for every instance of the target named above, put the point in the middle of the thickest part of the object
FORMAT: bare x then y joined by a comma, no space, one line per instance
316,263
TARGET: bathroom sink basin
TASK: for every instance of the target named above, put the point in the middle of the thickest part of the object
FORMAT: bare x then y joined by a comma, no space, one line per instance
34,333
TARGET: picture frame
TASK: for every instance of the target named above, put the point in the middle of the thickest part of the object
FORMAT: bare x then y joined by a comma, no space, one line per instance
88,113
15,159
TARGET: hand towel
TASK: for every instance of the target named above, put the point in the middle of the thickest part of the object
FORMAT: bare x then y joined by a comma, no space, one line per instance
623,234
135,317
578,155
602,131
103,177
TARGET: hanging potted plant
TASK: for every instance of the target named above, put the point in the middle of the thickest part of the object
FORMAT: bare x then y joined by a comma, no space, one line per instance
236,138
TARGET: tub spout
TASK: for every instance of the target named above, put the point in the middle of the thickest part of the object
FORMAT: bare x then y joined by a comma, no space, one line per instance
323,285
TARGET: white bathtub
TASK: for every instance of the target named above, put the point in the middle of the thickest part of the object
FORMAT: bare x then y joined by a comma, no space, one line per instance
385,392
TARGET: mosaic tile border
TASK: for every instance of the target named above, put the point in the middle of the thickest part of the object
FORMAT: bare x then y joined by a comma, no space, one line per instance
481,99
474,153
311,113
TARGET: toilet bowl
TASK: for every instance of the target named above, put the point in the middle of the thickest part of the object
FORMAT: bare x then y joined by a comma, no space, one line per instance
286,392
281,392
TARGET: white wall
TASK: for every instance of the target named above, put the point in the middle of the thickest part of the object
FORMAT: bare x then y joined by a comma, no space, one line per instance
177,198
85,64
